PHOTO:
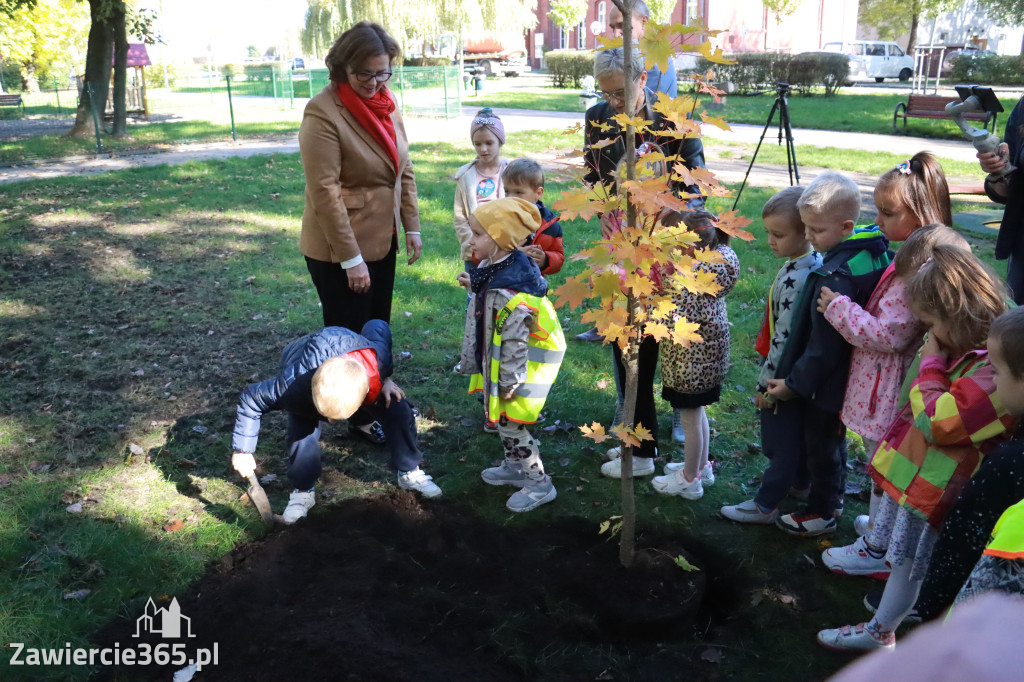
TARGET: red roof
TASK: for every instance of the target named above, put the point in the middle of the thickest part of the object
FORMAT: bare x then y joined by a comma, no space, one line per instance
137,55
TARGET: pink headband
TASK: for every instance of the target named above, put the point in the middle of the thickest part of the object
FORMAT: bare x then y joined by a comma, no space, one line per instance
485,118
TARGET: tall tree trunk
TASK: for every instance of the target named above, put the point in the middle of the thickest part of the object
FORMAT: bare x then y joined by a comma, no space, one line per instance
915,18
97,70
120,71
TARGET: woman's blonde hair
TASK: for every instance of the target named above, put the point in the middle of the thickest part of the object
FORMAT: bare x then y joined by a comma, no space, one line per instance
917,249
957,288
919,184
340,386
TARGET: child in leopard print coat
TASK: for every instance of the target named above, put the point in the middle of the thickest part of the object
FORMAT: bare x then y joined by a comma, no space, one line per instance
692,375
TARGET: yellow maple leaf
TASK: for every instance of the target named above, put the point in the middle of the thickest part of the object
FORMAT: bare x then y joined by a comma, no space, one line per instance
713,54
657,331
733,225
574,129
675,109
641,285
594,432
626,435
639,123
664,308
642,433
573,291
606,317
581,202
609,43
607,284
656,45
684,333
714,120
652,195
602,126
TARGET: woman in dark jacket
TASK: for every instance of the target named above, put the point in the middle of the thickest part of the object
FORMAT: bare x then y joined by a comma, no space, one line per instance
1009,189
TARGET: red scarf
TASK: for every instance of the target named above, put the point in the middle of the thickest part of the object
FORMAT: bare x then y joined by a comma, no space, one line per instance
374,115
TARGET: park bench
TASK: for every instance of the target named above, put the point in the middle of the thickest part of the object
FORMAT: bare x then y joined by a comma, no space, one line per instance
933,106
11,101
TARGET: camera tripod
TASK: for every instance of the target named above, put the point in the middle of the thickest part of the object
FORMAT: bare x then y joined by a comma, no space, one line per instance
780,105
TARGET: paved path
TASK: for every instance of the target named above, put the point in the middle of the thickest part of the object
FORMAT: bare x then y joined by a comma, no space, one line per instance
427,130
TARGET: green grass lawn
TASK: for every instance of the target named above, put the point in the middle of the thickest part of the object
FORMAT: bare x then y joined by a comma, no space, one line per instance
138,304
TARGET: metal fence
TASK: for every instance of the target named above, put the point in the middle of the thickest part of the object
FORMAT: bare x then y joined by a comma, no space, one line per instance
258,101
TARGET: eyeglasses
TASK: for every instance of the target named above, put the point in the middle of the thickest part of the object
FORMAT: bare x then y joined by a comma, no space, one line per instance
367,76
618,96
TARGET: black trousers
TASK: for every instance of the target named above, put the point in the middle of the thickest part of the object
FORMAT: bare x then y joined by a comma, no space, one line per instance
343,307
646,411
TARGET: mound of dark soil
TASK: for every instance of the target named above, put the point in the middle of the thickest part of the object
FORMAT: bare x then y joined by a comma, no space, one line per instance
389,589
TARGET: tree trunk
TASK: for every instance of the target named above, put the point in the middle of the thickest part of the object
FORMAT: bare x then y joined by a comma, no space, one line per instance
97,70
915,18
120,71
627,536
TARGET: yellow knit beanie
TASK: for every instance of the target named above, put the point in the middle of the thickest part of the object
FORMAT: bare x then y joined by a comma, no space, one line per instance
508,221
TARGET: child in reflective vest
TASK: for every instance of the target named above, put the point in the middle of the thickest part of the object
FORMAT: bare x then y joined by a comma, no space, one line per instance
513,345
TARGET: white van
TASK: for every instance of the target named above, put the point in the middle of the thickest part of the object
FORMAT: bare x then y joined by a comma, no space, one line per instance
876,59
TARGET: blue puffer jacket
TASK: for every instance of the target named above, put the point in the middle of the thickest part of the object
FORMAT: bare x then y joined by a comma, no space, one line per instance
292,389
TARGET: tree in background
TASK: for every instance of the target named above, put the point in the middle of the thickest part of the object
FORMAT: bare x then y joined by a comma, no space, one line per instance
661,10
1005,13
320,27
568,13
893,18
780,9
423,19
43,40
252,52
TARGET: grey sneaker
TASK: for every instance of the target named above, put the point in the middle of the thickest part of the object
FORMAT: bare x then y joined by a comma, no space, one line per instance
707,474
506,473
532,495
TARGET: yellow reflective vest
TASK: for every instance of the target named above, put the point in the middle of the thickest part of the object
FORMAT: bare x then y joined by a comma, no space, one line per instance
1008,535
545,350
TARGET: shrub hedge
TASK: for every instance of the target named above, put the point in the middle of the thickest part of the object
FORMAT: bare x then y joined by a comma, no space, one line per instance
759,71
427,61
988,69
568,67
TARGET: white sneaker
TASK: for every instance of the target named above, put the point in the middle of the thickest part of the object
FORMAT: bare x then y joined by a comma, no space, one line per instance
855,560
616,452
748,512
418,481
678,435
642,466
707,474
862,524
299,504
676,484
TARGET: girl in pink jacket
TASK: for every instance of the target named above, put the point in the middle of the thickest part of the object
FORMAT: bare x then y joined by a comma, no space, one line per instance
885,334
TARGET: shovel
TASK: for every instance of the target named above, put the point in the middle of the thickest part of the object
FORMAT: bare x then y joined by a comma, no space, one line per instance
259,498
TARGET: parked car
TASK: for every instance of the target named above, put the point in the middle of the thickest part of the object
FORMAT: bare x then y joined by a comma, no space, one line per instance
297,63
966,52
878,59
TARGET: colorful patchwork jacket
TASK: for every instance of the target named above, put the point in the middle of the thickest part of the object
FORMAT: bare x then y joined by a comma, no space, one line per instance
950,422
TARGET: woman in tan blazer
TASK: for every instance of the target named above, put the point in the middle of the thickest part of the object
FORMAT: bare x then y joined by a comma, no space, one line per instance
360,187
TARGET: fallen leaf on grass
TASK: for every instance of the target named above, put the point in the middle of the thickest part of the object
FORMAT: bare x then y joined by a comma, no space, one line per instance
75,508
269,478
711,656
467,422
135,449
174,525
187,462
564,461
199,428
805,560
579,488
244,498
462,459
5,480
602,384
77,594
605,675
38,467
69,497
